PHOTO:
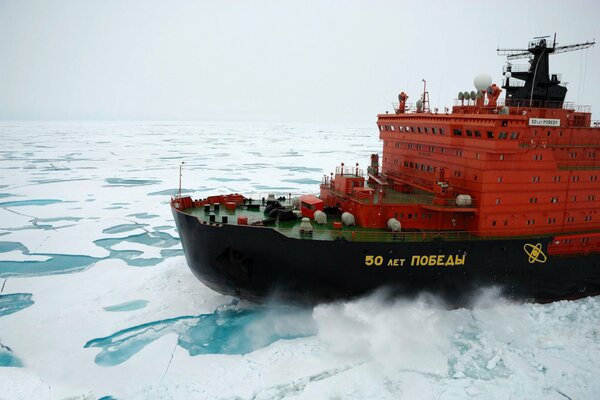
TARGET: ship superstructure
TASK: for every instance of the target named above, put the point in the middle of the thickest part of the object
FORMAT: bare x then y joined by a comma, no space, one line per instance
526,166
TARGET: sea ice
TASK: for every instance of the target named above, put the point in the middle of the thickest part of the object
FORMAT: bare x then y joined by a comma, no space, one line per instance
114,182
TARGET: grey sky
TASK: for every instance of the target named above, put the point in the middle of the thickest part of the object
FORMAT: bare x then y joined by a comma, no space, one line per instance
270,60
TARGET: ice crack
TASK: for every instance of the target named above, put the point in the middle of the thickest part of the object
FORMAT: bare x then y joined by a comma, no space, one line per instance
279,392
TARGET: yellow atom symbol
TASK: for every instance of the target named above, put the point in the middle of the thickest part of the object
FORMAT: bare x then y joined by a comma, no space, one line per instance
535,253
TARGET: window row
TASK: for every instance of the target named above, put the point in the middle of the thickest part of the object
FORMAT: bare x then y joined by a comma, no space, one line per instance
550,221
456,132
537,179
412,216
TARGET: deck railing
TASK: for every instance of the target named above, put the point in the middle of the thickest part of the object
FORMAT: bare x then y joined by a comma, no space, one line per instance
380,236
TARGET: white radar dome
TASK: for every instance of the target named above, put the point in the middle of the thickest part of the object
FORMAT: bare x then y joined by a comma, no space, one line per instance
482,81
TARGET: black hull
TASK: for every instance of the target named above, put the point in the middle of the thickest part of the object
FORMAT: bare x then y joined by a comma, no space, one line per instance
257,263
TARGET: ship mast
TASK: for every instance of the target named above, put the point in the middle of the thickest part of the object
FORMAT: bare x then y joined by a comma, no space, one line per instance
539,89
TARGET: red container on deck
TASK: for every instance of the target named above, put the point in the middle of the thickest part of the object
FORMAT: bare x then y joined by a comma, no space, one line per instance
242,221
309,204
230,206
337,225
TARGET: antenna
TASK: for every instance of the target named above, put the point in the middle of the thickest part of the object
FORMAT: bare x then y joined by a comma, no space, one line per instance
540,44
180,168
425,97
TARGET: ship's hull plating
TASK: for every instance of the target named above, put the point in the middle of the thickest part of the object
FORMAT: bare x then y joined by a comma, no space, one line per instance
256,263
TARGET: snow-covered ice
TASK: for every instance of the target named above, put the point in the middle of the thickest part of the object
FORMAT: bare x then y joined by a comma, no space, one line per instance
96,299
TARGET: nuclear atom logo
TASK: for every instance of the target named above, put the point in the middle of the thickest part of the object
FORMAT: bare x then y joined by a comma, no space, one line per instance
535,253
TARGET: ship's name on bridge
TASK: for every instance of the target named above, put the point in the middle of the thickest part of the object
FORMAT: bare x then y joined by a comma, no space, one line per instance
435,260
544,122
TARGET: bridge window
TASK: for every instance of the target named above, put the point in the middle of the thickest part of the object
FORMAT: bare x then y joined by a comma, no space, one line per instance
499,179
554,200
420,130
469,133
533,200
593,178
537,157
400,129
490,135
502,135
514,135
442,131
477,133
433,130
457,132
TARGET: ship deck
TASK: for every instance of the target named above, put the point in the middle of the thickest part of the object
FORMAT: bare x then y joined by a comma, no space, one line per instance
325,231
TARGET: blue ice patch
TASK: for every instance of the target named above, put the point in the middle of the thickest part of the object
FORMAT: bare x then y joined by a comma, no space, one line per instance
303,181
7,357
130,182
143,215
131,257
169,192
123,228
56,264
13,302
223,332
36,202
127,306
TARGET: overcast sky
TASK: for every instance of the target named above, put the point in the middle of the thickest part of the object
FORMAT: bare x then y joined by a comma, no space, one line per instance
322,60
